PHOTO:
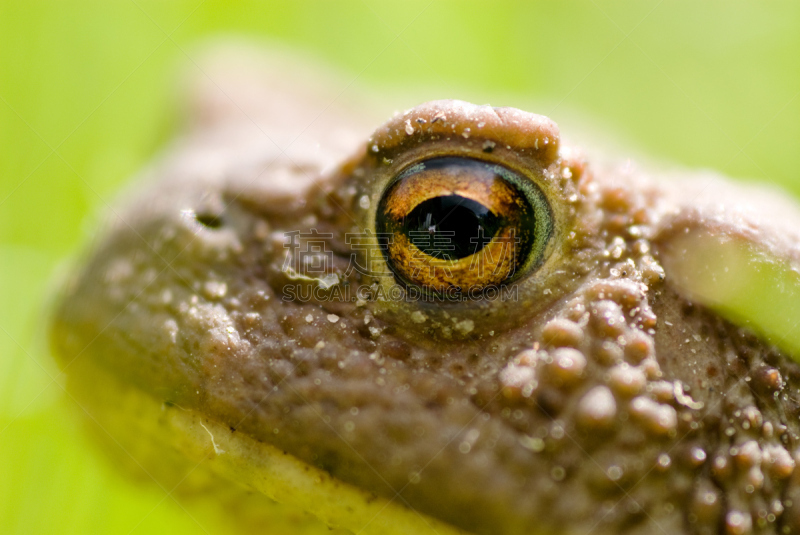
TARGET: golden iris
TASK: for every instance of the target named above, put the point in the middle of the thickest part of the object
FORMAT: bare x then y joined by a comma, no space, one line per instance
457,223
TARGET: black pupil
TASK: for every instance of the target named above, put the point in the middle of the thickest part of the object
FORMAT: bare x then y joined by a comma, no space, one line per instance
451,227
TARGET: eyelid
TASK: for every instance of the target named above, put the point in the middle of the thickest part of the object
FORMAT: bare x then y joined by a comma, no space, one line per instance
481,127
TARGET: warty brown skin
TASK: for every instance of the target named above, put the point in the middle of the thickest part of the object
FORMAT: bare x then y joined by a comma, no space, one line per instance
596,399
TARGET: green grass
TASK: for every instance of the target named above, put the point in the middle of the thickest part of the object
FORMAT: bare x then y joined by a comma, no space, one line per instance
86,97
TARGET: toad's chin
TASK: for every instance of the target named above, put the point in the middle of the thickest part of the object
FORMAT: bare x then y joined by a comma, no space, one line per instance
207,462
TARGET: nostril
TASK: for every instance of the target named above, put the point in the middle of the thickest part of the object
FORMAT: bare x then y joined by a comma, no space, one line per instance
213,221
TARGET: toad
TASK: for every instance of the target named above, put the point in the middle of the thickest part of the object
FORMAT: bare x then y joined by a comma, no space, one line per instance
457,324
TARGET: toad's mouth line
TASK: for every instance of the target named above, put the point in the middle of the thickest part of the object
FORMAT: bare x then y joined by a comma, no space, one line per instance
293,490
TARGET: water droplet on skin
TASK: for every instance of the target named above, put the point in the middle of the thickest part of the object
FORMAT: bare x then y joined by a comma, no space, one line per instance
664,461
697,456
614,473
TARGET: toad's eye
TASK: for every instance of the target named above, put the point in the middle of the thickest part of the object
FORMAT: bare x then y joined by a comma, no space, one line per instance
456,223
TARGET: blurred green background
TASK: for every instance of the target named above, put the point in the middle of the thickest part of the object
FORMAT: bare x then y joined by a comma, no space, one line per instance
86,98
